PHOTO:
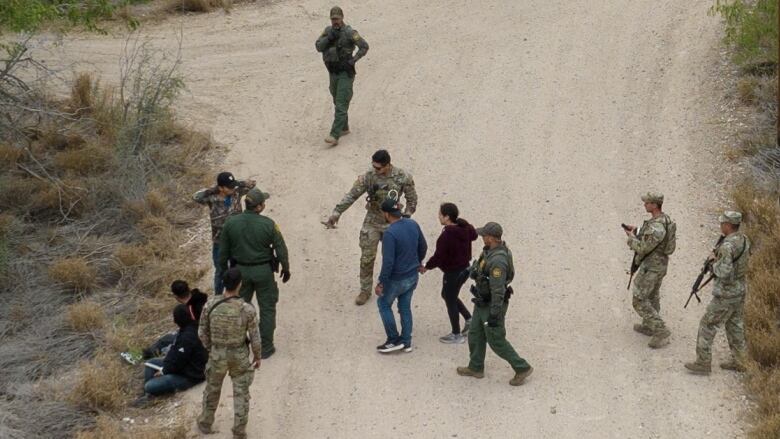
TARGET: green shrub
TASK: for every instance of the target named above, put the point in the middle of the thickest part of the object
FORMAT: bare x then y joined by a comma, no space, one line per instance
751,28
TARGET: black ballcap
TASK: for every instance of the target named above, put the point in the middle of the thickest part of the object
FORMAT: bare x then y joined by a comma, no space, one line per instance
226,179
391,206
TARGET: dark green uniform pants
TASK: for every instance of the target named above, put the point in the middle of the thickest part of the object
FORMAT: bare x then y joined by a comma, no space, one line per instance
260,280
341,90
480,336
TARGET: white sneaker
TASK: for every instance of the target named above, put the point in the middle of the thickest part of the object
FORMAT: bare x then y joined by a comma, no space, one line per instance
408,348
390,347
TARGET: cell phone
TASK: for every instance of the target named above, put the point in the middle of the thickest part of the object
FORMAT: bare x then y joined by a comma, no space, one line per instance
625,227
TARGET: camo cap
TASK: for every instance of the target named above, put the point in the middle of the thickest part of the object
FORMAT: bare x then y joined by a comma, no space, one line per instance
731,217
336,12
256,197
491,229
653,197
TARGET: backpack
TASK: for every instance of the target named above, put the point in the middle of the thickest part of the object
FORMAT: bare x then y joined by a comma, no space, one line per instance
670,240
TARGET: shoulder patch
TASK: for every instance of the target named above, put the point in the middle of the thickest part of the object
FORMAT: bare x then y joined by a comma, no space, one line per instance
276,227
497,272
355,36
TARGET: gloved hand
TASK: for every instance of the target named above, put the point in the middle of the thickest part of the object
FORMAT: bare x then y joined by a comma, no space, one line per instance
492,321
285,276
333,34
351,62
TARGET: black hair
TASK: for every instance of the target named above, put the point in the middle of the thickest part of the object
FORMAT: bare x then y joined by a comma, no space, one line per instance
182,316
179,288
231,279
450,210
382,157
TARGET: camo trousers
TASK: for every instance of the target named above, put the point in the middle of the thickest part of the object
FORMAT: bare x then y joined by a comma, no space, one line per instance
223,361
370,236
728,312
647,297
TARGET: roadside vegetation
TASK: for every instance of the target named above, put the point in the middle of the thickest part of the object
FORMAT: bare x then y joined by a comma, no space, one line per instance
95,223
752,33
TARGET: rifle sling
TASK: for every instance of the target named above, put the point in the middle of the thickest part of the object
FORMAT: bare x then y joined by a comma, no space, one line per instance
666,236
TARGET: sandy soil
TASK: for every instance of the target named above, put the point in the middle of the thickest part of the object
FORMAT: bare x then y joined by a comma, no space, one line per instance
547,116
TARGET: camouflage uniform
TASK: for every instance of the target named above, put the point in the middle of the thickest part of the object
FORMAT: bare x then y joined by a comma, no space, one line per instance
337,46
219,211
728,298
223,330
378,188
650,254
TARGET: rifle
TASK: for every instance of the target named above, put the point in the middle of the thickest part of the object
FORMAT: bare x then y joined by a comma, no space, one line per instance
698,285
634,265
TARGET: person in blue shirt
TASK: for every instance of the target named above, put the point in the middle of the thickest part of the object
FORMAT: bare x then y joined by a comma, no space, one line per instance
403,250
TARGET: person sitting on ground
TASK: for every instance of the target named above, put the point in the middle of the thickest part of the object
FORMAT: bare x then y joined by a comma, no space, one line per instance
183,366
194,300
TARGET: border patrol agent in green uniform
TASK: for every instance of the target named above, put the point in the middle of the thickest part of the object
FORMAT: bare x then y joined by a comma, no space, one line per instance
729,266
228,330
255,243
493,272
337,43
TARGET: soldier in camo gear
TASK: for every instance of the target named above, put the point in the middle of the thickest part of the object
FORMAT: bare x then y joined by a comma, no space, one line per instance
652,244
224,326
223,200
729,266
384,181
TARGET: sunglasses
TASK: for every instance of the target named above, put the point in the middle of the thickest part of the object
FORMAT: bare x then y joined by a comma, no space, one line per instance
378,168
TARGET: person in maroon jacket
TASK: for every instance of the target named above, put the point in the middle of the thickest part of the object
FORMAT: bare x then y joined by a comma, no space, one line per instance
452,256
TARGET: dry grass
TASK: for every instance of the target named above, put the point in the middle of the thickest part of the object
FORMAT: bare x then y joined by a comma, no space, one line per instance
108,427
103,384
89,160
85,316
74,272
9,155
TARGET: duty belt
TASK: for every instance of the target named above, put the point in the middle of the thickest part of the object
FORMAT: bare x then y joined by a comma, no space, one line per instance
232,345
253,264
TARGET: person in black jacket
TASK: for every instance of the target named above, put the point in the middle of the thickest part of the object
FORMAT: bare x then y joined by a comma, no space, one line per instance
195,300
185,363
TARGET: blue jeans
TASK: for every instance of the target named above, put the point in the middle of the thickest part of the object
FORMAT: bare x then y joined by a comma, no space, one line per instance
401,290
165,383
218,287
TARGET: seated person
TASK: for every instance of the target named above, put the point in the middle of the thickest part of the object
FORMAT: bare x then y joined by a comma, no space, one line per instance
183,366
194,300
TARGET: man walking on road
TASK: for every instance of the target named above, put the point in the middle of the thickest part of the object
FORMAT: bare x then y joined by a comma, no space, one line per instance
652,244
384,181
337,44
228,331
493,272
223,200
256,245
729,266
403,250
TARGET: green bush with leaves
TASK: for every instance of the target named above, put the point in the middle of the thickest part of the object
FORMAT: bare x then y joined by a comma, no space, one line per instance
751,28
30,15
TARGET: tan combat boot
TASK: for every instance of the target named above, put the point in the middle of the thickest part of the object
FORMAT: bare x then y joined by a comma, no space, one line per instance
520,377
660,339
362,298
642,329
732,365
466,372
332,140
698,368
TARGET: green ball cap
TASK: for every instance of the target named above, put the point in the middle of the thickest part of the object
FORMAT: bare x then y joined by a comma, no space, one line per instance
491,229
336,12
257,197
731,217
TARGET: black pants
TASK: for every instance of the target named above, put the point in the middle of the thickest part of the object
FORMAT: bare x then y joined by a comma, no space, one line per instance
450,288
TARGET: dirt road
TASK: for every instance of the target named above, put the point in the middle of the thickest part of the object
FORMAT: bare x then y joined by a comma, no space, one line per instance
547,116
